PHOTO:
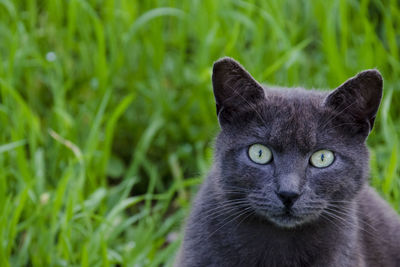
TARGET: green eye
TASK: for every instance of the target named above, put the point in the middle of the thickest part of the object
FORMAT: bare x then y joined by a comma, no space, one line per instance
260,154
322,158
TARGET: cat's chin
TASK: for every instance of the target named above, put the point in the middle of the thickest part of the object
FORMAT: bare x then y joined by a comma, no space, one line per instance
289,220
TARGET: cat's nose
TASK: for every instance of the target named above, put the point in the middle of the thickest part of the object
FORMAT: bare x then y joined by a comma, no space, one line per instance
288,198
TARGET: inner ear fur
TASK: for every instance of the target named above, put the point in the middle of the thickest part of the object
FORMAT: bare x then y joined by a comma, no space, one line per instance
234,89
357,100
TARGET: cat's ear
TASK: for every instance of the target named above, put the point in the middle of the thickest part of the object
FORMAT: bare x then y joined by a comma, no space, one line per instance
357,100
234,89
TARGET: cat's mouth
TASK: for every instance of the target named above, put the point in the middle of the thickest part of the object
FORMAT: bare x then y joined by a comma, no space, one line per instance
289,218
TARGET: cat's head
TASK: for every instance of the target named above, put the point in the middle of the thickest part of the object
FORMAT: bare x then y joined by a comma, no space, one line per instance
290,155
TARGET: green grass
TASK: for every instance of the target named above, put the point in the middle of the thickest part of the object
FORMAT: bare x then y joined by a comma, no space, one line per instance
107,115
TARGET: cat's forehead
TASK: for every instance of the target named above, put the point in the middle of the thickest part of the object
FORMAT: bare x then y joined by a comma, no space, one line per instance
290,118
294,95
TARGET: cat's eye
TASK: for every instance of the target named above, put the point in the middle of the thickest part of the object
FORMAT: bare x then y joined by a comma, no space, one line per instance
322,158
260,154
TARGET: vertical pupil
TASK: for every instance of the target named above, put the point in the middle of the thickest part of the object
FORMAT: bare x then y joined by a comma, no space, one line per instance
322,157
259,153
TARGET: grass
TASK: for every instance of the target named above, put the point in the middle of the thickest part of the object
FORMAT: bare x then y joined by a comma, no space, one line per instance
107,115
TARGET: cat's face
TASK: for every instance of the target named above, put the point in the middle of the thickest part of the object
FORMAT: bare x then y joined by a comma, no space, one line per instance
291,155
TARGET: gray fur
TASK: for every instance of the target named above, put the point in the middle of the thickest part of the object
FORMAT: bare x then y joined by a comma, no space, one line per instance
338,220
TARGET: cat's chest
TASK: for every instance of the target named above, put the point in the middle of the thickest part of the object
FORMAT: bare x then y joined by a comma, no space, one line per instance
260,246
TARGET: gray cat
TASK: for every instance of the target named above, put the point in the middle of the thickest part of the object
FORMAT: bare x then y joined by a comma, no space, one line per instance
289,183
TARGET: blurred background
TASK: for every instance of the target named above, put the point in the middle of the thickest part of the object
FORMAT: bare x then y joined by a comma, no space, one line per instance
107,115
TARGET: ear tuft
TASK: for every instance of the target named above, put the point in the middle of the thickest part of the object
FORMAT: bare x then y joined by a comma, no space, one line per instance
234,88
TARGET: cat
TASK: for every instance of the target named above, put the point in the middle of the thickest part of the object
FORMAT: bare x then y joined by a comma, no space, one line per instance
288,186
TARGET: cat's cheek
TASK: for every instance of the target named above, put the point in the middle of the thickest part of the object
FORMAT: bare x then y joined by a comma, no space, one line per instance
335,183
238,171
237,168
322,181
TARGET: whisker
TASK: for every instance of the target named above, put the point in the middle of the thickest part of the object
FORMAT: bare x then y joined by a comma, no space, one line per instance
357,226
255,197
221,212
362,221
329,220
229,219
265,205
224,205
341,201
325,216
241,188
247,216
311,207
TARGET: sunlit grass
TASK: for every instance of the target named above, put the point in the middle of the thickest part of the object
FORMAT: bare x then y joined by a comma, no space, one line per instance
107,114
